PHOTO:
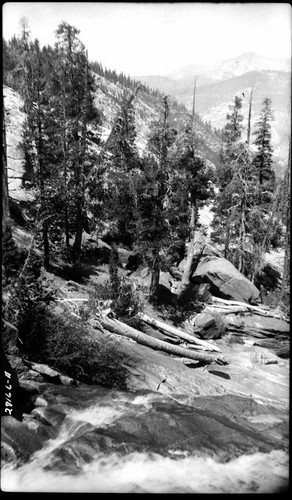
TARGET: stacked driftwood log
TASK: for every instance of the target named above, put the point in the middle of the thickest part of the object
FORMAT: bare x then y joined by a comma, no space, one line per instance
261,325
193,347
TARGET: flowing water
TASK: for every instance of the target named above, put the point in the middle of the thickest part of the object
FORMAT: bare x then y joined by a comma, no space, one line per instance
108,446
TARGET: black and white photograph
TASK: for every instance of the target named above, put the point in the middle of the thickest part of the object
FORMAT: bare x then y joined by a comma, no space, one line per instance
146,211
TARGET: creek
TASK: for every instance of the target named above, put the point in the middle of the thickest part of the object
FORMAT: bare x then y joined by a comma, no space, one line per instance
105,440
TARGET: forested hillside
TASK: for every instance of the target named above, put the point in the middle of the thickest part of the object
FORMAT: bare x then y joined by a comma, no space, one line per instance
217,85
117,175
104,153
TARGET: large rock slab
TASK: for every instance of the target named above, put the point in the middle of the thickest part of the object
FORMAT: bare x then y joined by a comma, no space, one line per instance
256,325
225,280
225,426
142,277
201,250
17,441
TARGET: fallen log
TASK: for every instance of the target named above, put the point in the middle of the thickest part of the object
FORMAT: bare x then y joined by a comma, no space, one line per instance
227,309
173,340
194,346
188,362
256,309
116,326
71,300
172,330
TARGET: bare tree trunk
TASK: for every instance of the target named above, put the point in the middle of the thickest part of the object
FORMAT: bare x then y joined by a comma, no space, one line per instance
155,274
190,253
41,173
249,118
5,192
227,241
45,227
64,183
178,333
81,178
242,233
286,269
162,190
243,202
186,277
115,326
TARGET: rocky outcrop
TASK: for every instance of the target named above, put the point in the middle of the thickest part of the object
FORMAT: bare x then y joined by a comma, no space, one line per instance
202,249
17,441
204,320
51,375
257,326
224,279
142,277
14,119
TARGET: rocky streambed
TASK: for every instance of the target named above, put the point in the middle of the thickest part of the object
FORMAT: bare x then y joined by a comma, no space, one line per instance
179,428
183,425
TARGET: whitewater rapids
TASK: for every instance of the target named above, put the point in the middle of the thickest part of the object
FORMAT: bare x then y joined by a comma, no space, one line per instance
140,472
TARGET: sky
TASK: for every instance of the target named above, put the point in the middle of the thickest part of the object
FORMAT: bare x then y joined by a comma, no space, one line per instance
157,38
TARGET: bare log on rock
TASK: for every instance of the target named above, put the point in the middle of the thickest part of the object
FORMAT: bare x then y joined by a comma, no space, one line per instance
248,307
227,309
233,309
178,333
116,326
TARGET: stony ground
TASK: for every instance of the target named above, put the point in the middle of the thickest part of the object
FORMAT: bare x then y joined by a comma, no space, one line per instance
251,371
174,407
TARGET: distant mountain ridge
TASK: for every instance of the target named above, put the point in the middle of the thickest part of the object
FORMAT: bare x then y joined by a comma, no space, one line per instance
217,85
218,71
230,68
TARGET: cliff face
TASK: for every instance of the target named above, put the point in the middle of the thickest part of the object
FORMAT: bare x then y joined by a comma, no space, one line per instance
14,119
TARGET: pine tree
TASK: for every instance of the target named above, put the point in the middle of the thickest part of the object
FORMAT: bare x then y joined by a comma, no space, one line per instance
36,142
153,202
73,90
224,224
265,228
195,188
263,160
235,208
119,162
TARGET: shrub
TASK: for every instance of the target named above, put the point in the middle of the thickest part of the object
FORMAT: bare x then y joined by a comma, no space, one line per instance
12,257
268,279
275,299
24,290
121,293
183,308
124,301
62,342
